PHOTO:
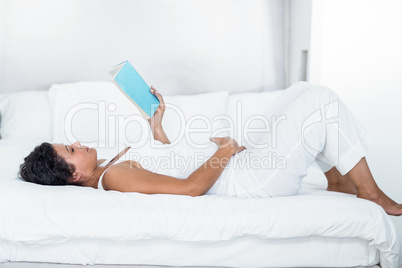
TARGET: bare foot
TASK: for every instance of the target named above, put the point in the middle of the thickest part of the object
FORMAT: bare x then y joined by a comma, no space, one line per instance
389,205
393,202
343,185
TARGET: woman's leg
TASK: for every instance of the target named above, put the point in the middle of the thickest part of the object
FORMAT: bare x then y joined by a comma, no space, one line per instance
274,162
359,181
314,125
339,183
368,189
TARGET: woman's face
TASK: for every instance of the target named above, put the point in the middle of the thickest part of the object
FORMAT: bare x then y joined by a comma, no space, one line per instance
83,158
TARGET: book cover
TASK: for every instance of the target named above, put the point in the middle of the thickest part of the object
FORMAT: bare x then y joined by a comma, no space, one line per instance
131,84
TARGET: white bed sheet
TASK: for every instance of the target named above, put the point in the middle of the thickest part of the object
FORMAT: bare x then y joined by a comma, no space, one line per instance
39,216
79,225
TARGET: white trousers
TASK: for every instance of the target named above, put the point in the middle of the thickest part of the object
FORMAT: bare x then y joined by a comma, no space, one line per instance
312,124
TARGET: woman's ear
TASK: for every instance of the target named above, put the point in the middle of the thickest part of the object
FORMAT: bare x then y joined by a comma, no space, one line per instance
76,177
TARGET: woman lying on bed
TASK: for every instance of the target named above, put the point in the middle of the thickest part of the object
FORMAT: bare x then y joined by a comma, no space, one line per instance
301,139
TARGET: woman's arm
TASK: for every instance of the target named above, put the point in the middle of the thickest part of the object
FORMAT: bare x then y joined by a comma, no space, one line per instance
159,134
208,173
155,122
125,177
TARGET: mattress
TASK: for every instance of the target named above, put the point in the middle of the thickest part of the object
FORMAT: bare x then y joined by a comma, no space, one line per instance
176,229
81,225
240,252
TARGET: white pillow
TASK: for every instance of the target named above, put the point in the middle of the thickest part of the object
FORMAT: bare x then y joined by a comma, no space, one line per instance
194,118
247,112
95,113
25,114
99,115
12,154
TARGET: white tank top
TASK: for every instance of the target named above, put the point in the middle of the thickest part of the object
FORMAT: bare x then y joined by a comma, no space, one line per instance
177,160
100,186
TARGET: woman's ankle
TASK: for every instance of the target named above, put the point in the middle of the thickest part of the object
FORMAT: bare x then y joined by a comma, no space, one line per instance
343,185
372,194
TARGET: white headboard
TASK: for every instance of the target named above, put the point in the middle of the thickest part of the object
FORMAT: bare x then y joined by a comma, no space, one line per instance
179,46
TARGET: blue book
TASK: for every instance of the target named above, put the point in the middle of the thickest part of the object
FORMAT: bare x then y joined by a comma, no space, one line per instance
131,84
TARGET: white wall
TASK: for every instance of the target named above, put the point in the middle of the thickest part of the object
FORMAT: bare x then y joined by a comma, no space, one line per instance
179,46
356,49
299,25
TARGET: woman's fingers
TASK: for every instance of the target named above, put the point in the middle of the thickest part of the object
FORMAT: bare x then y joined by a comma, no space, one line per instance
240,149
223,141
159,96
227,141
217,140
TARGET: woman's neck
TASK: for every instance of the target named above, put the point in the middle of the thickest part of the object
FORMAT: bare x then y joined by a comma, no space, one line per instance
94,179
100,161
97,172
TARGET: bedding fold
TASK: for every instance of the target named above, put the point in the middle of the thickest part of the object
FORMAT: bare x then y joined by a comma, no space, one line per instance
53,215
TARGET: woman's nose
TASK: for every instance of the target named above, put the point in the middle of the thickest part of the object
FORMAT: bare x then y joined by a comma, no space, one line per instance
77,143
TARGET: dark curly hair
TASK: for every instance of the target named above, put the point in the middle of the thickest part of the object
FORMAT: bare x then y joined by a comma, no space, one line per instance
44,166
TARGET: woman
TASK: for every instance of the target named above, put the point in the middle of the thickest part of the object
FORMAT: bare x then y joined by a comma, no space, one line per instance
315,126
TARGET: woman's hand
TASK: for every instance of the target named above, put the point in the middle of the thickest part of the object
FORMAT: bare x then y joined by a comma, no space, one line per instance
228,142
156,120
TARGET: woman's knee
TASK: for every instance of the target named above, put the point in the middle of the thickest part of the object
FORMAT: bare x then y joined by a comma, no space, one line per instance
321,95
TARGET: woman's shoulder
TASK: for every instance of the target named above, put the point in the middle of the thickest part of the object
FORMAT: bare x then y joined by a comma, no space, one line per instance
116,171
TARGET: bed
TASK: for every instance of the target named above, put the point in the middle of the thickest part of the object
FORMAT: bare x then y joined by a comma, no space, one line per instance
85,226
